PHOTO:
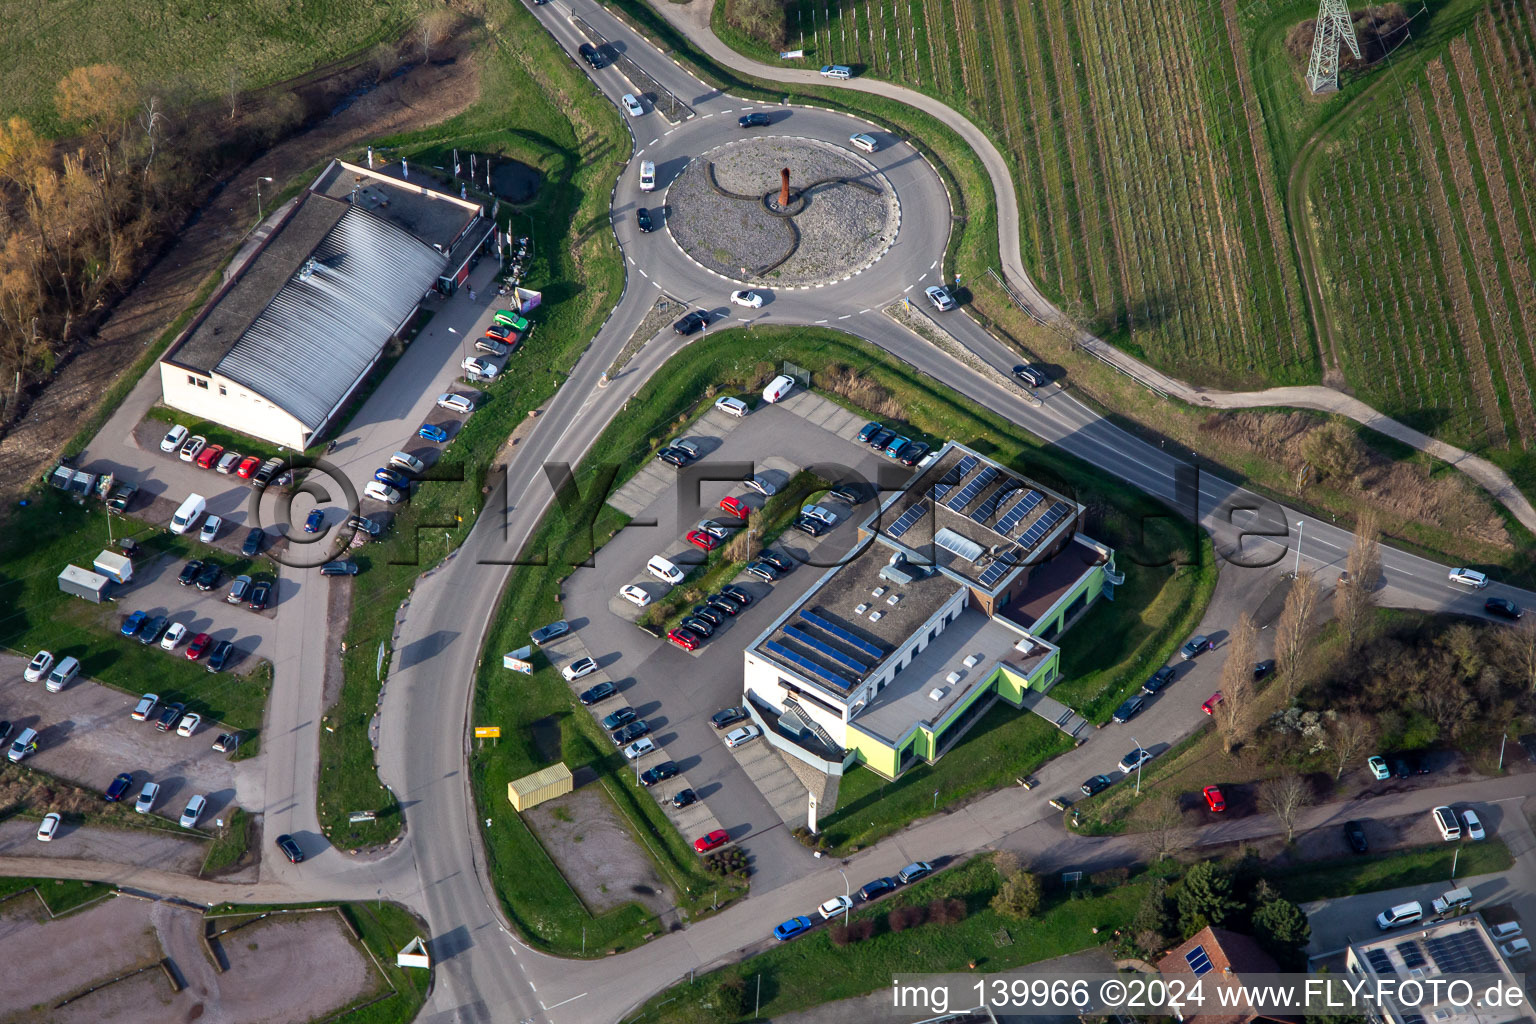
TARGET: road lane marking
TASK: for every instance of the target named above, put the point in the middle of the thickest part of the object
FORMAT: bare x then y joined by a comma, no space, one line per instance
863,311
923,278
821,321
845,316
906,289
631,261
643,273
933,264
563,1002
654,141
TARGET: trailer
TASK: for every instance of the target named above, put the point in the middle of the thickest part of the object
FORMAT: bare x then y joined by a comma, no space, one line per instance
116,567
80,582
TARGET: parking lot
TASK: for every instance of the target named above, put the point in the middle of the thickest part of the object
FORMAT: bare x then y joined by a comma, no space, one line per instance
676,691
85,735
156,590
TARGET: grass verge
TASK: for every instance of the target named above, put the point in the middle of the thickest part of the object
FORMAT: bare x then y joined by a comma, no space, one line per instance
811,970
1349,877
230,842
59,895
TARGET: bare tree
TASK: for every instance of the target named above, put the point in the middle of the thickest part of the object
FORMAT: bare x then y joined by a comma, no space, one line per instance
1163,822
433,27
1355,600
1349,737
1294,633
1522,645
152,120
1234,713
232,93
1285,797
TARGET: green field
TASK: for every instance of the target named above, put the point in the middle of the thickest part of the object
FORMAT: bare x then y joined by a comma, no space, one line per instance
184,48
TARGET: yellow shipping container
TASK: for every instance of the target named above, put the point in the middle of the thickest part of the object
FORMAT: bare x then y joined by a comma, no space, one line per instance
545,784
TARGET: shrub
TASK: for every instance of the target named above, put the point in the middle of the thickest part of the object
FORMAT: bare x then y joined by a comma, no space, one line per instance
839,933
1019,896
1110,878
861,929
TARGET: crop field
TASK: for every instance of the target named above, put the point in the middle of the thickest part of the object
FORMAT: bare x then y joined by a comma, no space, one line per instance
1148,209
1431,272
183,46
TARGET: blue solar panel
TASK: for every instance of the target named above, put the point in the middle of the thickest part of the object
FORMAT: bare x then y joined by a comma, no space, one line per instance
954,476
842,634
939,489
909,517
1045,524
1014,516
1199,960
809,665
998,569
985,509
795,633
969,491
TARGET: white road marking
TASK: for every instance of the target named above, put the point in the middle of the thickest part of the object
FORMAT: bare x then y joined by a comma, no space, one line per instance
821,321
654,141
643,273
923,278
563,1002
845,316
863,311
728,110
631,260
907,289
933,264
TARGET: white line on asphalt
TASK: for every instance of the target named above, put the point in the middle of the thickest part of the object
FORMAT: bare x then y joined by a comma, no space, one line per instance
728,110
863,311
845,316
643,273
933,264
923,278
631,261
654,141
821,321
669,132
563,1002
513,949
906,289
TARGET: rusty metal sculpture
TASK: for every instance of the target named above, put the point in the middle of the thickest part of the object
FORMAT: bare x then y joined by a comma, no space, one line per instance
784,189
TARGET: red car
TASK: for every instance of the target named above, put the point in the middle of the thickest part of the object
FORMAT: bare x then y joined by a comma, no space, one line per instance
208,456
199,646
685,638
1209,707
1213,798
700,539
736,507
247,467
719,837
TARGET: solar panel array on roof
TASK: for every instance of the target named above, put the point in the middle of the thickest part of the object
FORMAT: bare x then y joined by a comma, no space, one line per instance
948,481
1045,524
858,643
810,666
960,546
1412,955
819,647
1015,515
1198,959
907,519
969,491
1461,953
998,569
985,509
1379,961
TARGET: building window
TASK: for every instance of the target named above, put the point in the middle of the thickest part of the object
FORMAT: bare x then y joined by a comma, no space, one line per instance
197,382
223,390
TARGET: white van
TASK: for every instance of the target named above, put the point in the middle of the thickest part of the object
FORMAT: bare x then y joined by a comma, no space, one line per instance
647,176
778,388
1447,822
664,570
1454,901
25,743
1396,917
842,72
732,406
190,512
61,675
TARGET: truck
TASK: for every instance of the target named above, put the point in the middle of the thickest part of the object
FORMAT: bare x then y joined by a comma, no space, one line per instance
80,582
118,568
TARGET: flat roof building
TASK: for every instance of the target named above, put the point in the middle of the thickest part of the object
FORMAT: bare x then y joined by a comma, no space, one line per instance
307,312
1461,945
956,585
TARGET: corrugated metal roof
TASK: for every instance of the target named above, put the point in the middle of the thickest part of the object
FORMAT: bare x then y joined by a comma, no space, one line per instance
328,323
557,772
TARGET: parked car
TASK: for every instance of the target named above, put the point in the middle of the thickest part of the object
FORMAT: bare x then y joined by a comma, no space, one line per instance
601,692
664,570
1472,824
239,590
1129,709
748,299
705,541
578,668
1134,760
222,652
383,492
638,749
260,595
762,485
731,592
290,848
145,707
341,567
913,453
1097,784
122,496
684,798
741,737
153,630
174,438
727,717
1158,681
210,575
691,322
133,623
119,788
631,732
544,634
169,716
785,930
226,742
732,406
763,571
700,626
1354,835
253,542
707,613
672,456
208,456
1263,668
49,827
479,369
175,633
912,872
814,527
147,797
635,595
393,477
721,606
874,890
227,462
192,447
193,811
659,773
1209,706
620,718
38,667
454,402
685,638
776,560
1378,768
314,520
248,467
492,346
826,515
896,447
1197,645
199,646
834,907
756,119
736,507
1213,798
869,430
880,438
432,432
705,843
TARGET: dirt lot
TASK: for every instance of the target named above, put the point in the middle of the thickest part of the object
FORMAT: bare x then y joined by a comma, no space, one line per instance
596,853
162,850
282,970
87,736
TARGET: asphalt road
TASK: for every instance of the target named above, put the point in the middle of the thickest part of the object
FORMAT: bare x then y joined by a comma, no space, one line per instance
483,973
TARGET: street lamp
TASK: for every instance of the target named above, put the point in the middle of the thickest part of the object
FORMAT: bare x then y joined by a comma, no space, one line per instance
1139,762
1301,528
847,892
258,195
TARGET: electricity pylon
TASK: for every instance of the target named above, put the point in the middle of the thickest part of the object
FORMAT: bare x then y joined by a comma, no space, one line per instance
1333,27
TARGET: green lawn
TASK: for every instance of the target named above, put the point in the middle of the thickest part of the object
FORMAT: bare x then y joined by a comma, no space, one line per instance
59,895
538,108
386,928
810,970
52,532
1004,744
229,842
1330,879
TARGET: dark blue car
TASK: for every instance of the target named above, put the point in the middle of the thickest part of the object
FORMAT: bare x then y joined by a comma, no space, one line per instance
879,887
394,479
133,623
432,432
118,789
315,521
794,926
